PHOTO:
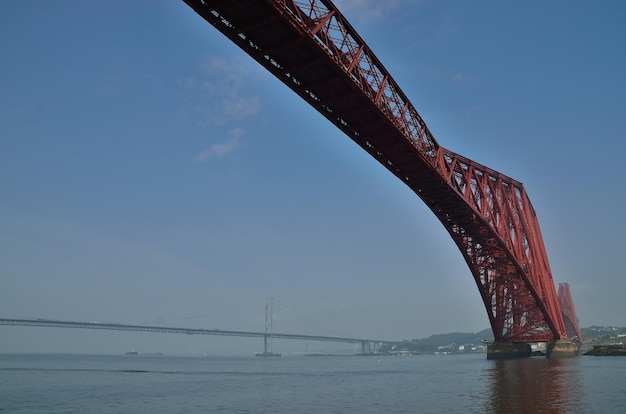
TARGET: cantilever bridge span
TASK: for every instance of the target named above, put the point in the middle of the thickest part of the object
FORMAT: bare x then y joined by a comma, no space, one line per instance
311,47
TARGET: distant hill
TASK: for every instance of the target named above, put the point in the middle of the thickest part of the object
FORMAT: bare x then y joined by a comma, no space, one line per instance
450,343
458,342
599,335
595,332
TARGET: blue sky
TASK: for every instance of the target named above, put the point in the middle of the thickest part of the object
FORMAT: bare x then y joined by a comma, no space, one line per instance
151,172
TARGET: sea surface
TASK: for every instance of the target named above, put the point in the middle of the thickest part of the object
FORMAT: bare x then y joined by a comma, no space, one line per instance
466,383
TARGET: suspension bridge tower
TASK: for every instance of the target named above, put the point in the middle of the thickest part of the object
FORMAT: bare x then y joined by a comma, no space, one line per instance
267,336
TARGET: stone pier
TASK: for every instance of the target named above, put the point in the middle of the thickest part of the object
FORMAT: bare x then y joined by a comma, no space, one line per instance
508,350
561,348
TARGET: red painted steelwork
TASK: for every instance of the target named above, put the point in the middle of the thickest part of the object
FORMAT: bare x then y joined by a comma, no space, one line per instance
312,48
569,313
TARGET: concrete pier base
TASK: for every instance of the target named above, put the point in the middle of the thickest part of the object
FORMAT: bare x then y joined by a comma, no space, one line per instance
561,348
267,354
508,350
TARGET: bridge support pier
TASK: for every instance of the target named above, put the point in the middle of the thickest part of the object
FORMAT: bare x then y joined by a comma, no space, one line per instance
508,350
561,348
366,348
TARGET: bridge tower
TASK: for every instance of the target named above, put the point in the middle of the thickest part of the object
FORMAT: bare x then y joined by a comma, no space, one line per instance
312,48
269,322
569,314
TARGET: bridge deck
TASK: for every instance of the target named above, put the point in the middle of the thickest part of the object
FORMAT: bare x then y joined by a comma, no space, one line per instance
187,331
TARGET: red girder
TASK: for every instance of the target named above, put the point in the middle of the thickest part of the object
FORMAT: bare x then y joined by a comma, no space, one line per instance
313,49
569,313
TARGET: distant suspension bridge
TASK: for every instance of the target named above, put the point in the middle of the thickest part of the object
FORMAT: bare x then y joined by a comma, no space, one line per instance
368,346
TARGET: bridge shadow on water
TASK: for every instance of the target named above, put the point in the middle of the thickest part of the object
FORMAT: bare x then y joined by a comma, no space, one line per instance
534,385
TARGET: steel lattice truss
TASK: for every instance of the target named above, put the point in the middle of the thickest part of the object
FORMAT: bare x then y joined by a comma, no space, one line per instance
569,313
507,257
313,49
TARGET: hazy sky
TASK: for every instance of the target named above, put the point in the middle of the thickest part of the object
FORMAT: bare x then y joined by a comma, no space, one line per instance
151,172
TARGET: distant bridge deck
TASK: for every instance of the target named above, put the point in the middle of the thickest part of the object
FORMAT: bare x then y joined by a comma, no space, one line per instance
49,323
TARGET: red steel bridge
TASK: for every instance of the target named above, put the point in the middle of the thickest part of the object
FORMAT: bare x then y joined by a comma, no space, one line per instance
311,47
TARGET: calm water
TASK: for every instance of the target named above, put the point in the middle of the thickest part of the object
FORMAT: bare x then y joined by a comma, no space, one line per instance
301,384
